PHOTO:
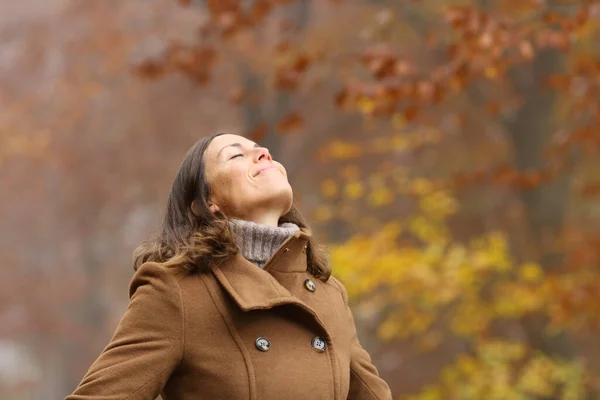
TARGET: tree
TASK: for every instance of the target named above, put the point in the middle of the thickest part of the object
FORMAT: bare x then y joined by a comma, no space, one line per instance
444,82
514,62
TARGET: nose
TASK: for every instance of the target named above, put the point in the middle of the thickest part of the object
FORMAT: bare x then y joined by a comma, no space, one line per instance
262,153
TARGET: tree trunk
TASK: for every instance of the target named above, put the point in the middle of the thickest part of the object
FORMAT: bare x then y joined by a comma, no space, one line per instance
531,131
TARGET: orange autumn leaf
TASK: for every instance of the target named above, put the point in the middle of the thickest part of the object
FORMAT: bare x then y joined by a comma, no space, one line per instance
292,122
237,96
258,133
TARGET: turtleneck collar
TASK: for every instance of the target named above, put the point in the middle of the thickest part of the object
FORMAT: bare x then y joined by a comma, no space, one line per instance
258,242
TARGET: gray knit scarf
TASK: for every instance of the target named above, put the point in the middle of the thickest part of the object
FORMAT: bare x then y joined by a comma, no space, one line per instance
258,242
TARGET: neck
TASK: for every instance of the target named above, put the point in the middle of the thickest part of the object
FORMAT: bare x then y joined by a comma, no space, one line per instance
266,218
257,242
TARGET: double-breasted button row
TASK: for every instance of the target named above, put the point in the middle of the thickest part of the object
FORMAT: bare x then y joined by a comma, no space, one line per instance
318,343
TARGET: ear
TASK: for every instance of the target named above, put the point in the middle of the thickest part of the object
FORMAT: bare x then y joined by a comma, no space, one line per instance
213,207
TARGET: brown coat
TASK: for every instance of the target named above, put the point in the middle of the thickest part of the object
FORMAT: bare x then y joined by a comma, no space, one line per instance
196,336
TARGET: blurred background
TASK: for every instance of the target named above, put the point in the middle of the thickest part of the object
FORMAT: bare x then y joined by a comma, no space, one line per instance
447,152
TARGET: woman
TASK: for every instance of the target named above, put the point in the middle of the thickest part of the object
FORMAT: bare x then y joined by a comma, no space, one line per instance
234,299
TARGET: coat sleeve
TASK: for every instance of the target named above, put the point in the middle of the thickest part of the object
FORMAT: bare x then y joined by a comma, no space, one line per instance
365,382
146,346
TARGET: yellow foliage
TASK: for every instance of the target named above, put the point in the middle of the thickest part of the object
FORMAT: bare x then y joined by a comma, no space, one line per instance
329,188
512,299
400,143
421,186
471,318
389,329
343,150
536,377
354,190
491,72
491,253
323,213
430,392
426,229
438,204
505,370
440,287
439,273
530,272
381,197
366,105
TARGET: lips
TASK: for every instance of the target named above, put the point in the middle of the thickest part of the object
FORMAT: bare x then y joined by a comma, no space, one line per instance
260,170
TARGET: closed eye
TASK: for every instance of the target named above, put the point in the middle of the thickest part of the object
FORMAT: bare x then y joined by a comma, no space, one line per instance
237,155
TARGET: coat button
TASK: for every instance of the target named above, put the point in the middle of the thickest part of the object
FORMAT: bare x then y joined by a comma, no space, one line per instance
319,343
263,344
310,285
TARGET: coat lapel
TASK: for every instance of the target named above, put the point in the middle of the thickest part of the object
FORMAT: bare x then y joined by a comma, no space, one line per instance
251,287
254,288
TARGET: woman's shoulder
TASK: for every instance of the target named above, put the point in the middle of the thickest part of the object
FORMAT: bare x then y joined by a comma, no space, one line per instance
182,291
162,277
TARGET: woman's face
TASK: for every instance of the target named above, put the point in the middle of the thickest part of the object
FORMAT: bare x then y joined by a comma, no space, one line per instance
245,182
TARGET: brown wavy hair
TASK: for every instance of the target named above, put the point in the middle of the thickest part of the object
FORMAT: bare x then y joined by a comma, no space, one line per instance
199,239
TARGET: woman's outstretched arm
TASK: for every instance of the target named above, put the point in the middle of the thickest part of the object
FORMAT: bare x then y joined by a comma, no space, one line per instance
147,345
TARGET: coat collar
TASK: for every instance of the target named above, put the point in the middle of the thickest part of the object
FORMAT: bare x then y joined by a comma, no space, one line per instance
254,288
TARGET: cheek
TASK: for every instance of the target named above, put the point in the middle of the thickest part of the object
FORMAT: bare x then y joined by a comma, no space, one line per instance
227,183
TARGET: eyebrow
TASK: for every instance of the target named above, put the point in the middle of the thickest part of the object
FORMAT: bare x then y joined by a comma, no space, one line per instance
238,145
